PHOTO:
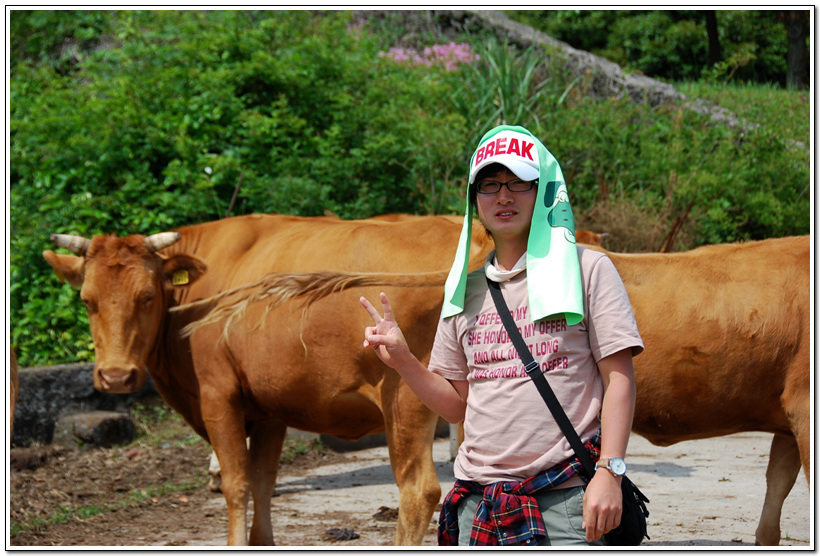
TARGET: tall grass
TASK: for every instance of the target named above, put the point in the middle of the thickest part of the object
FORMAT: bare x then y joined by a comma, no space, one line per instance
783,110
507,87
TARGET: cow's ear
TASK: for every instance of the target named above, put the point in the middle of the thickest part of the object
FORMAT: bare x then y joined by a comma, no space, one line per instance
68,268
183,270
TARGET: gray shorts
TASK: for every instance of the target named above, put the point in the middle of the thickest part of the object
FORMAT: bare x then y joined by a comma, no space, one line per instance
562,510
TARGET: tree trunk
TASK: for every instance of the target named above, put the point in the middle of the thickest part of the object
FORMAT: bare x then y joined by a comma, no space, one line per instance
715,54
797,59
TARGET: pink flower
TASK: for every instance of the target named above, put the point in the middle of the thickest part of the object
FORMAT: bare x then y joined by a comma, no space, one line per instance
446,56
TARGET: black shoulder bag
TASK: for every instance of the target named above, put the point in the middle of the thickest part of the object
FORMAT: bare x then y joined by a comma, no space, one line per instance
632,528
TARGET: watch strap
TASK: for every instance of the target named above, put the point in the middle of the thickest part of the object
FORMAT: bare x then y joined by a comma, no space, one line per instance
616,465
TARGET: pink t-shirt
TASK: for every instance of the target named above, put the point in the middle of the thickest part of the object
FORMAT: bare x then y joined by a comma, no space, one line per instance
509,433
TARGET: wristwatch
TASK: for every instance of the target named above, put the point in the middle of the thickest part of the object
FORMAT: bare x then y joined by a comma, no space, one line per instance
616,465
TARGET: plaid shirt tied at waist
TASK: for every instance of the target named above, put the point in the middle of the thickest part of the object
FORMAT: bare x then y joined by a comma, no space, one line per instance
508,513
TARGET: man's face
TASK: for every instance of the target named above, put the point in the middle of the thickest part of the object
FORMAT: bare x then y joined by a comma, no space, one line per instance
506,214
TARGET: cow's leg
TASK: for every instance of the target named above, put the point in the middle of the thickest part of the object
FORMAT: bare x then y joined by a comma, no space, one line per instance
796,400
788,453
225,423
784,466
265,449
215,483
410,428
455,440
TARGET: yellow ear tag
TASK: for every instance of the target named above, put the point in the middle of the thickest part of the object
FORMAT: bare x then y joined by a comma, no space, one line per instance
180,278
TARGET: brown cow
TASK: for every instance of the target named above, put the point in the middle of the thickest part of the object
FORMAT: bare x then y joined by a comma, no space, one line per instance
727,334
260,382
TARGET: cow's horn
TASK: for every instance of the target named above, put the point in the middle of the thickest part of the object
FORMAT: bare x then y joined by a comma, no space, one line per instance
161,241
77,244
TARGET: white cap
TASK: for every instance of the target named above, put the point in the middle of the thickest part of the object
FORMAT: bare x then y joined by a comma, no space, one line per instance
516,151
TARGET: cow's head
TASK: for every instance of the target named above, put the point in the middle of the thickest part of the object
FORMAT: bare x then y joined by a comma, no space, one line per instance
126,287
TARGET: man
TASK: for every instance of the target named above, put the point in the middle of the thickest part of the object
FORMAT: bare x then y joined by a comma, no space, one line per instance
574,314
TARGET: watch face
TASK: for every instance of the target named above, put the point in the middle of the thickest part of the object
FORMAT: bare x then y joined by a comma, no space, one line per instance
617,465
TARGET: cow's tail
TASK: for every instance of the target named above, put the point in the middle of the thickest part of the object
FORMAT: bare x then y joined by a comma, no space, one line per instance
276,289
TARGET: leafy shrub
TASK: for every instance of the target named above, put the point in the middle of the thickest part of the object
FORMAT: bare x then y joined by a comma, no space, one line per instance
727,185
657,44
158,129
55,37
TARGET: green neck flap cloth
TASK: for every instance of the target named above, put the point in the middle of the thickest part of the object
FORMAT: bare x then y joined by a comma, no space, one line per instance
553,270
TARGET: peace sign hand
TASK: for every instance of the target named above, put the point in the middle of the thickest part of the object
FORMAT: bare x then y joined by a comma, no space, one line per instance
386,336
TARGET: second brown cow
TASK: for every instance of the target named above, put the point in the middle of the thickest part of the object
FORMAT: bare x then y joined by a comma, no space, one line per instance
727,332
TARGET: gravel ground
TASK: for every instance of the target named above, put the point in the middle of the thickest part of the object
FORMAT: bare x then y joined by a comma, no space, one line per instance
704,493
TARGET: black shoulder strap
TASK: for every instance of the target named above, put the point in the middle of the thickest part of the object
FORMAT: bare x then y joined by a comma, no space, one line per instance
534,372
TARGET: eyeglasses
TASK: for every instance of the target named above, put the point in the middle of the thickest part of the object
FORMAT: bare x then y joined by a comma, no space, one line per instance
516,185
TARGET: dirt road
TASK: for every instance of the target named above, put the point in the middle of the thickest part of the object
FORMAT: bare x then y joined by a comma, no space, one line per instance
703,493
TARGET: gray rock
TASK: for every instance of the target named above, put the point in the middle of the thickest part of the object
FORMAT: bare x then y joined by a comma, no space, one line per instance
96,428
50,393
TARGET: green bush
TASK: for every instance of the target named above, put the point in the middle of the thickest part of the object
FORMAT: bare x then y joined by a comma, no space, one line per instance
56,37
157,129
734,185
